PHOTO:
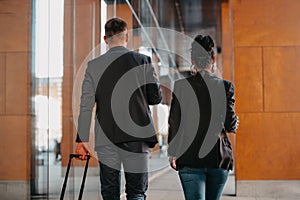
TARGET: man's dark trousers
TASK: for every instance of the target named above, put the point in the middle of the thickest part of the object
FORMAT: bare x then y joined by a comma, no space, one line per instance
134,157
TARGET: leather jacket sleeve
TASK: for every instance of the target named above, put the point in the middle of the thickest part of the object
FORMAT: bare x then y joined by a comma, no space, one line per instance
174,120
231,120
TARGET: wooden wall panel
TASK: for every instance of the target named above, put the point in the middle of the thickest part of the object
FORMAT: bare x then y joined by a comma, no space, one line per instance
266,147
15,138
267,23
2,83
68,34
67,89
282,75
17,84
266,41
84,32
248,79
227,43
68,139
15,26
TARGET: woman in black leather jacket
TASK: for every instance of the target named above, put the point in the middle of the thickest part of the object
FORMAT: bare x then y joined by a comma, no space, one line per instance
202,107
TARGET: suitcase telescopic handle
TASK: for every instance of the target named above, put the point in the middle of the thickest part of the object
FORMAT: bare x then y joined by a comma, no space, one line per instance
67,175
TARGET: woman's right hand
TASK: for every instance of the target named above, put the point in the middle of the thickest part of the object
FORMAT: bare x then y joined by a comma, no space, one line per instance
172,161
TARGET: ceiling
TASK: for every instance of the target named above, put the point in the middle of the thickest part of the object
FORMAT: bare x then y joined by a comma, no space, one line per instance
199,14
190,17
183,15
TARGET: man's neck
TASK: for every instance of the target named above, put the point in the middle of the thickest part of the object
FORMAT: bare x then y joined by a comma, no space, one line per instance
116,45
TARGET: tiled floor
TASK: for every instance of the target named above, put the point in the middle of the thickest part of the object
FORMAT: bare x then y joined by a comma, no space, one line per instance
167,186
164,184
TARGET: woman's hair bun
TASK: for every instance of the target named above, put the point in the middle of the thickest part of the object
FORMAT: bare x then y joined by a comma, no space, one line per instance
205,41
202,50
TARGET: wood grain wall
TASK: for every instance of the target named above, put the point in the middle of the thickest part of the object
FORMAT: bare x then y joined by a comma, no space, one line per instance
266,75
15,53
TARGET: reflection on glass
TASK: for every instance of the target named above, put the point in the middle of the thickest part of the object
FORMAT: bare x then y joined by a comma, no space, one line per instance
47,73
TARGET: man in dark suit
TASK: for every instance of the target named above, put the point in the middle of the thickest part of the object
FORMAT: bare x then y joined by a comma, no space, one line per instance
123,84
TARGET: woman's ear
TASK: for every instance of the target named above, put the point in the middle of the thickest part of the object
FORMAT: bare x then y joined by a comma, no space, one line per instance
213,60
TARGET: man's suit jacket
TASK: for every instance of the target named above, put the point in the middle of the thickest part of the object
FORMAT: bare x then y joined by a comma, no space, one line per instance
123,84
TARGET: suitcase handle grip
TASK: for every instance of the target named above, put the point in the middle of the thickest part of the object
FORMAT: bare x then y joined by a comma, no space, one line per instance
72,155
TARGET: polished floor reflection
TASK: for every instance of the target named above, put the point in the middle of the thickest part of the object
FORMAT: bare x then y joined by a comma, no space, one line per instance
162,179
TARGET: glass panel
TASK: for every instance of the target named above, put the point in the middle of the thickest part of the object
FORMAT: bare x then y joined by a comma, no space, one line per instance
47,73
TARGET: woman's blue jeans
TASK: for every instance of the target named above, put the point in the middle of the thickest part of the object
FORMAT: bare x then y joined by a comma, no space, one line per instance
203,183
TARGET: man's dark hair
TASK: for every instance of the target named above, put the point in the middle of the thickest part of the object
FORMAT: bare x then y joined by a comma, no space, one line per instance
114,26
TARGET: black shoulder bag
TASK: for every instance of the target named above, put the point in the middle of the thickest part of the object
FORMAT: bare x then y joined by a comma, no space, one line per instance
225,152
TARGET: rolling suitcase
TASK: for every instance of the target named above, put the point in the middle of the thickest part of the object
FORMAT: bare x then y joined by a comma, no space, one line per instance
67,175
